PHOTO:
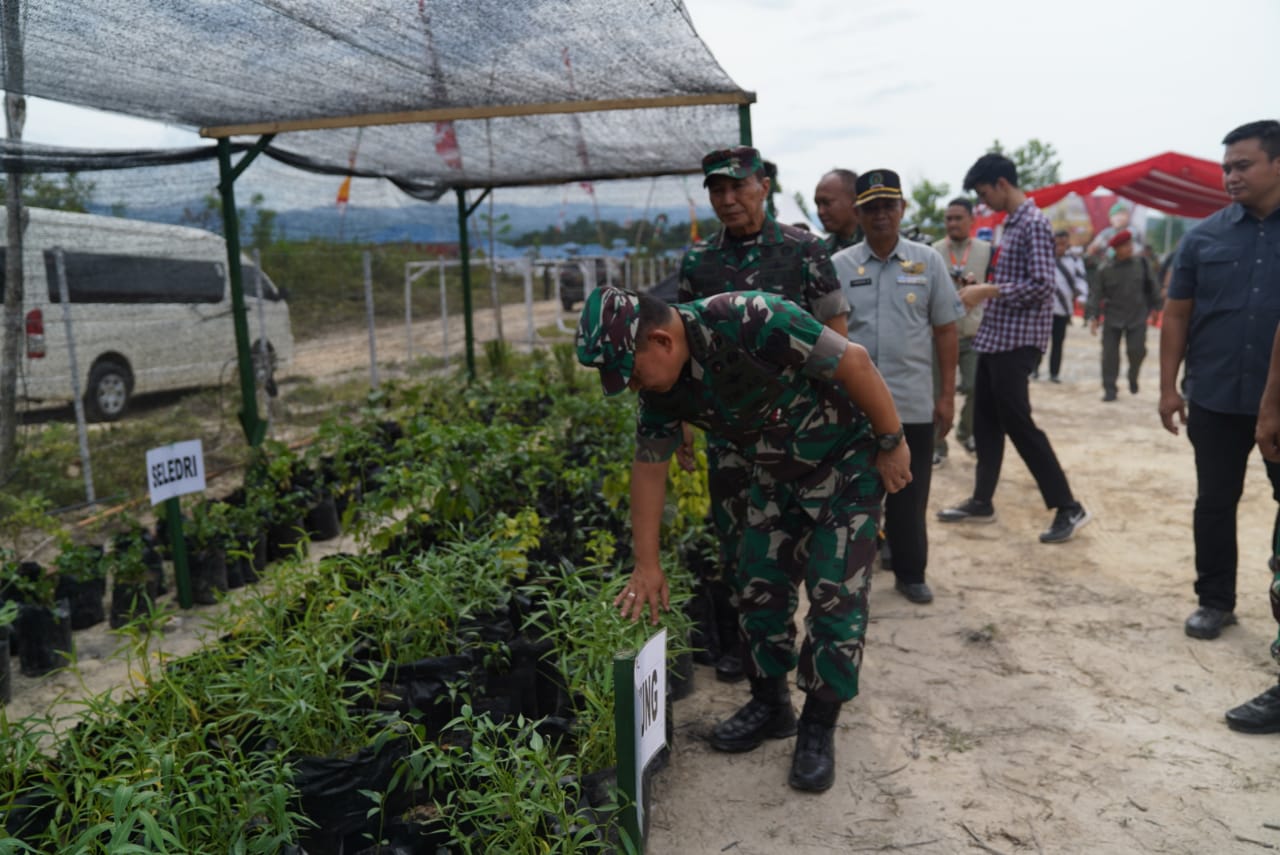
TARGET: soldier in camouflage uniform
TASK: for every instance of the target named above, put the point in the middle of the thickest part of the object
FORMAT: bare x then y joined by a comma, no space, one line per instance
809,410
752,251
834,200
1262,714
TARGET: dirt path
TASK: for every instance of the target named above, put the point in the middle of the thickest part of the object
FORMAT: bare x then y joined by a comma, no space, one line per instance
1048,700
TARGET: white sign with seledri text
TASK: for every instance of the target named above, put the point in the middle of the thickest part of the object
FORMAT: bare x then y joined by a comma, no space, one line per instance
650,707
175,470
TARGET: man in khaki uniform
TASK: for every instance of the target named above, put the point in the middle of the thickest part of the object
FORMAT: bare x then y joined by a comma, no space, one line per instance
902,308
967,260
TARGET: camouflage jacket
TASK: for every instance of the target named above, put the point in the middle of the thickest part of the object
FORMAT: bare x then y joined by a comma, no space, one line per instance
761,374
780,260
834,243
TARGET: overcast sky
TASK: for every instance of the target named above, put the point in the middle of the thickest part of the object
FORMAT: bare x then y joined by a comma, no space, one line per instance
924,86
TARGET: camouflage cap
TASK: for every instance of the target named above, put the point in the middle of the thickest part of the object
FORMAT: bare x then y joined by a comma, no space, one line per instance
607,336
739,162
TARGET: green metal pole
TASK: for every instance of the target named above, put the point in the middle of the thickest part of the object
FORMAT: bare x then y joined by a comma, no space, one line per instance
624,734
744,124
254,428
178,543
464,255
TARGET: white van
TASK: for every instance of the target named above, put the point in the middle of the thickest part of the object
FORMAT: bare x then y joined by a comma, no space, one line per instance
150,310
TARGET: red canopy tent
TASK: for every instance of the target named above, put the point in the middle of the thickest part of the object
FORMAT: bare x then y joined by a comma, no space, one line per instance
1173,183
1170,182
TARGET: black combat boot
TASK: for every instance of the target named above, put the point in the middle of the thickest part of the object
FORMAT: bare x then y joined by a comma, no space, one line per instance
729,662
703,635
813,766
729,668
768,715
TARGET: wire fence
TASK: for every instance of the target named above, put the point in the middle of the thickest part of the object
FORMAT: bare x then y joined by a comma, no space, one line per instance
136,308
101,346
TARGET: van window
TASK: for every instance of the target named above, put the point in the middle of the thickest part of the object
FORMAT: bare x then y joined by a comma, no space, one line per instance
99,278
248,273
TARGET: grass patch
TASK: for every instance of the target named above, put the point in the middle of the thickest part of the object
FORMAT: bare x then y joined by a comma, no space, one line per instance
326,284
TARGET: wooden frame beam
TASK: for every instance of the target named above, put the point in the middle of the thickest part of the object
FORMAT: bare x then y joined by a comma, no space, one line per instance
491,111
482,184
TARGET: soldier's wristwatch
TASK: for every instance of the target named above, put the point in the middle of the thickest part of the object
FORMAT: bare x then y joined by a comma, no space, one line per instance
890,441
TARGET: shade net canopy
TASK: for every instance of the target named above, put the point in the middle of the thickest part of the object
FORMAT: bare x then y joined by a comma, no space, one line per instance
430,94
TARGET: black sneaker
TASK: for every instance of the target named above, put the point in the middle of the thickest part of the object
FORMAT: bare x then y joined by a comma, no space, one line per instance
939,460
970,510
1065,524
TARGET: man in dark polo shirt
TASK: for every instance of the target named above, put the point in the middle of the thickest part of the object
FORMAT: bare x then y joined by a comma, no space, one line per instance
1221,313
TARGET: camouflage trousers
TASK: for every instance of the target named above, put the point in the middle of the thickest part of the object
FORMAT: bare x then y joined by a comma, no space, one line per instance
827,546
729,477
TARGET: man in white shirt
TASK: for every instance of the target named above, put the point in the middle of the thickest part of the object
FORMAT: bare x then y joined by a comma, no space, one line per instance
1069,284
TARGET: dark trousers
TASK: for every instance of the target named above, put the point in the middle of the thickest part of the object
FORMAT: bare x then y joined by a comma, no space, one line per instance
1059,335
904,511
1002,407
1135,345
1222,443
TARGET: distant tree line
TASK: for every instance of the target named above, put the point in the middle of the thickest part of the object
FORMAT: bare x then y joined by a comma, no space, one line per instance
1038,166
655,236
258,229
71,193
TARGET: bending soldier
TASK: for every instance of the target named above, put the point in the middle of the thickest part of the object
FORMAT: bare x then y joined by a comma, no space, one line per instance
810,412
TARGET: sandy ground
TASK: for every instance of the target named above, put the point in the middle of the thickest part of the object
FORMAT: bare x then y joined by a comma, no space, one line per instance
1047,701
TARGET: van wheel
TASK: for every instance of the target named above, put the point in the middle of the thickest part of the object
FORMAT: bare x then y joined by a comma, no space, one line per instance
107,397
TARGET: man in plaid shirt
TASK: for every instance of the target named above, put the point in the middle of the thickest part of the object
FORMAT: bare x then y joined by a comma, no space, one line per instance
1015,329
